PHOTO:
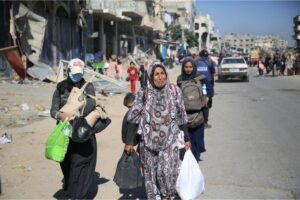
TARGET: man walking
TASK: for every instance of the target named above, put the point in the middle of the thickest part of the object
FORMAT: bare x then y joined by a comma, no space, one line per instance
206,67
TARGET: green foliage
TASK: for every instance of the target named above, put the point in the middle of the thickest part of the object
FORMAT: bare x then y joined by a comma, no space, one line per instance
175,32
262,53
176,35
191,39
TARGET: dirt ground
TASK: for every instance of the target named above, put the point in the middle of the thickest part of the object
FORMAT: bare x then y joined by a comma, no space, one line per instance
24,170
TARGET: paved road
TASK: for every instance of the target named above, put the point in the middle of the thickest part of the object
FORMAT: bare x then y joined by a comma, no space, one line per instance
253,148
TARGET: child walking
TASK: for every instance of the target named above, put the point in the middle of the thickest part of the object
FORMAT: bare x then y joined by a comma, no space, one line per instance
133,75
129,135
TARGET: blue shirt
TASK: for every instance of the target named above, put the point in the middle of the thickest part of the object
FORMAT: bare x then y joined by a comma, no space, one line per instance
206,67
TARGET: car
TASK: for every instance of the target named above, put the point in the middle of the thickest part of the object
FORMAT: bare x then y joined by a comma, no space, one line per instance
233,67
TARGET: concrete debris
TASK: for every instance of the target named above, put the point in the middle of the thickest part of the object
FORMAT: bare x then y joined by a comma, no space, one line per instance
104,84
14,82
41,71
140,57
4,109
24,81
45,113
5,138
40,108
21,122
107,88
15,107
24,107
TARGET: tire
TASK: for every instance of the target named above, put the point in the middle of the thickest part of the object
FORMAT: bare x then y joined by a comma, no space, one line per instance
246,79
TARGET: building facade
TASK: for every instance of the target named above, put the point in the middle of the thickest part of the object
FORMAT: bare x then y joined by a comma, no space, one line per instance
122,26
208,38
240,43
246,43
297,31
182,12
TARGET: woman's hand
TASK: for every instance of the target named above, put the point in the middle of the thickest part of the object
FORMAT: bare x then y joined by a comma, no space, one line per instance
187,145
128,148
63,116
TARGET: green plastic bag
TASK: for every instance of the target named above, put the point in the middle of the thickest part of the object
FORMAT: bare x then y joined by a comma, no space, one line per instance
98,65
58,141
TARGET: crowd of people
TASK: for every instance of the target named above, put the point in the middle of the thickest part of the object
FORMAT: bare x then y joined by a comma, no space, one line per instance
279,64
114,68
162,122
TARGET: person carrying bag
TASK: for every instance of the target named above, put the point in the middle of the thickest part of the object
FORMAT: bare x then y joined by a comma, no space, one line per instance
78,166
195,92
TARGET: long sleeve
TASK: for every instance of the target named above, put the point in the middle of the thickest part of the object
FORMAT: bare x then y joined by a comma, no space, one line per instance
184,128
55,106
131,135
135,111
90,102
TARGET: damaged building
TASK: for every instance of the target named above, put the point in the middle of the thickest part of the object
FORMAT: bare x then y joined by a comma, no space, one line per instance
123,27
44,32
41,33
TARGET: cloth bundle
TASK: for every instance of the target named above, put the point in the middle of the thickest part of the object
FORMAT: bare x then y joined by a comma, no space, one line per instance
83,127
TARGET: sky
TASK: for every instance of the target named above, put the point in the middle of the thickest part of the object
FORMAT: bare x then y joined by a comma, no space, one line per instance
252,16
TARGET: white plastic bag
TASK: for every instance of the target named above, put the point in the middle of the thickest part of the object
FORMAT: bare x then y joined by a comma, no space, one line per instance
190,181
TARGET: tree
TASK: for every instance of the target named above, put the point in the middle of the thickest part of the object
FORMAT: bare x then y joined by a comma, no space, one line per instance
262,53
176,35
191,39
175,32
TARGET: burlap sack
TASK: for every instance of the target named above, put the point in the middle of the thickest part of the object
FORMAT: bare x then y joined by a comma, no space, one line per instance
99,112
75,102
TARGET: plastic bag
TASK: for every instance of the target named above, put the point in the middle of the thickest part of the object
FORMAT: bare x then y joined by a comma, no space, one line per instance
128,173
81,130
57,142
100,125
190,181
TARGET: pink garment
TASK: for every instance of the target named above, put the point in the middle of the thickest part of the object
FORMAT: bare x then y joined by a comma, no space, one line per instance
261,65
120,71
111,71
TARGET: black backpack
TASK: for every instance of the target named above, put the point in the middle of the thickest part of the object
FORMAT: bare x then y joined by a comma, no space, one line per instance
192,93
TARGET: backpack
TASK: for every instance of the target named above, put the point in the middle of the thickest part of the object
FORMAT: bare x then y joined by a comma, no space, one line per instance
192,94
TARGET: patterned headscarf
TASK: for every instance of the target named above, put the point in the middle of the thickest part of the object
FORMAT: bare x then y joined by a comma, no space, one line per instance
152,69
158,111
